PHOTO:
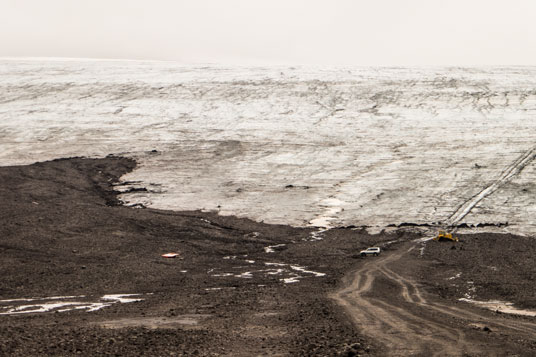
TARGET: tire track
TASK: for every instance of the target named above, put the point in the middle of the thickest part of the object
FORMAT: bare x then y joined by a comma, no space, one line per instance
529,328
406,323
391,322
506,175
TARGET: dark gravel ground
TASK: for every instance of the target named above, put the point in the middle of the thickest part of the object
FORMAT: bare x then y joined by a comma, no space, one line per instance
490,267
63,232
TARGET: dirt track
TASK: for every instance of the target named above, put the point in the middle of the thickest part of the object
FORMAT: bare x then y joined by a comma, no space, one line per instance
408,322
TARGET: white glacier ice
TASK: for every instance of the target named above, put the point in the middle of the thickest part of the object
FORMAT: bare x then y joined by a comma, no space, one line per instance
302,146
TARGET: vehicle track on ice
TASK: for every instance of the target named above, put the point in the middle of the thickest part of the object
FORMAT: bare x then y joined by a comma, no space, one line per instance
406,323
507,174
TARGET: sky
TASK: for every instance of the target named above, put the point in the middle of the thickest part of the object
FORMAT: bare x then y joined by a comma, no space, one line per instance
294,32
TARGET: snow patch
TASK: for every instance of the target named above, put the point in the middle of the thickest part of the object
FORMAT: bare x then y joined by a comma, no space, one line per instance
455,276
291,280
39,305
317,235
286,271
270,248
332,207
45,298
303,270
276,264
274,271
245,275
122,298
500,306
471,290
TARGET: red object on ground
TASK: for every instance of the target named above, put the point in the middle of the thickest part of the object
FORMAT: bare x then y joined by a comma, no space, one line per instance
170,255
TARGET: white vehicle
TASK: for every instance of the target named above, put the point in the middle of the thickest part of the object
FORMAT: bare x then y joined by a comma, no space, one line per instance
370,251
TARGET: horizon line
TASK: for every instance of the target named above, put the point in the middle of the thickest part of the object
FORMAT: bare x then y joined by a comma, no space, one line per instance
258,64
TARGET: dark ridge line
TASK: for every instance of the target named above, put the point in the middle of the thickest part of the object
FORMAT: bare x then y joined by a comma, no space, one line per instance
439,225
353,227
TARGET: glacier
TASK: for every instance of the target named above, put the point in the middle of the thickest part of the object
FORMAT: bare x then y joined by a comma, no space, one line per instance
305,146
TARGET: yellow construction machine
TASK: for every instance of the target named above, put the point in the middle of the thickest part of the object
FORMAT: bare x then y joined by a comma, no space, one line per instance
442,235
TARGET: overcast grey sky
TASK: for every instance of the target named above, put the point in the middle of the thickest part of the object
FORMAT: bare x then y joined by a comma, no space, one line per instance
333,32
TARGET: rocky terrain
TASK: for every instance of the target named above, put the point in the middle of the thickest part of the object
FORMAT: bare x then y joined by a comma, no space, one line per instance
83,274
64,238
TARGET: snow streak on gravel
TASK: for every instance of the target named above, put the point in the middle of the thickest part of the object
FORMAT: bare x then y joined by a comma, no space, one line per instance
287,273
500,306
303,146
63,303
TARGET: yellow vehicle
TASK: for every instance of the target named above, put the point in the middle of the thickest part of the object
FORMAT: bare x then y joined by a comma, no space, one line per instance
442,235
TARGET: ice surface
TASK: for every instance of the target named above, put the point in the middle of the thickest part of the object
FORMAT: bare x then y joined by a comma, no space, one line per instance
304,146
